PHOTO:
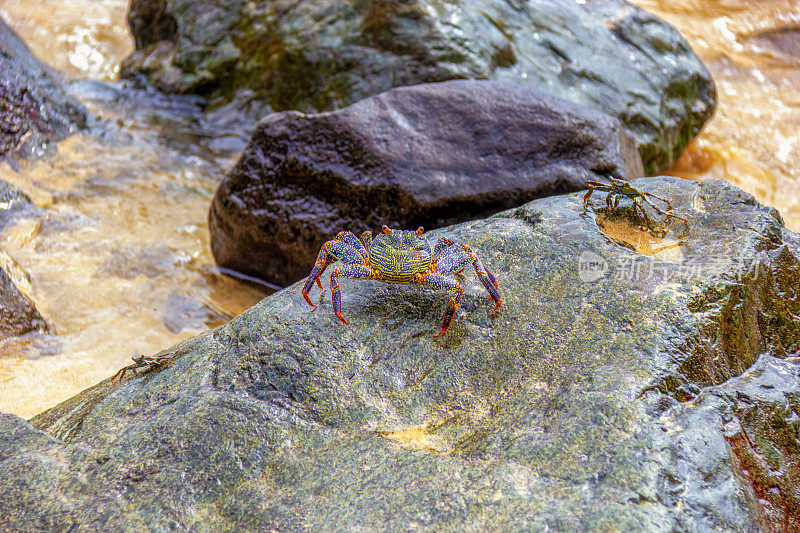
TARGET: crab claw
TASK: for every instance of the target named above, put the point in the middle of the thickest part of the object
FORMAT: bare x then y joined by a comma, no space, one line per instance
305,295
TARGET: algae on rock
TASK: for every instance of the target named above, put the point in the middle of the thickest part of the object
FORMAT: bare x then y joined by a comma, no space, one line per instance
317,55
570,410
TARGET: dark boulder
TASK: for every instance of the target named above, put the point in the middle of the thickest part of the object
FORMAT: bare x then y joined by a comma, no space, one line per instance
574,409
427,155
18,314
323,55
34,107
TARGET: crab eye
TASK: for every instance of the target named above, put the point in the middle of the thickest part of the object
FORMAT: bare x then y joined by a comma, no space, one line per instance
386,229
420,230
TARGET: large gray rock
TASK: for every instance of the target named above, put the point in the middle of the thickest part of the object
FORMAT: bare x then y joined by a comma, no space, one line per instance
317,55
427,155
583,405
34,107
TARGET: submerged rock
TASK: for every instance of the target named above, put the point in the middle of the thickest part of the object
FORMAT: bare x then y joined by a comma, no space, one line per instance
34,107
13,203
18,314
575,408
317,56
427,155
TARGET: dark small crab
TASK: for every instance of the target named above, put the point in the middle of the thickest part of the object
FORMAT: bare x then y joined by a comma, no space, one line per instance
619,188
396,256
142,361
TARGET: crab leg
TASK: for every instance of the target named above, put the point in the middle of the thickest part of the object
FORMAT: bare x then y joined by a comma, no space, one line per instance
366,238
330,252
353,242
646,194
587,196
452,262
487,278
445,247
324,259
669,206
445,283
346,271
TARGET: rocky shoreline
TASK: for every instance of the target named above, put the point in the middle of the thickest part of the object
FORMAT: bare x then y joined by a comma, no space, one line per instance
620,401
427,155
642,374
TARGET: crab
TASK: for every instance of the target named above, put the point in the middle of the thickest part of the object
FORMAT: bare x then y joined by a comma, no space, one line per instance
398,256
141,361
620,188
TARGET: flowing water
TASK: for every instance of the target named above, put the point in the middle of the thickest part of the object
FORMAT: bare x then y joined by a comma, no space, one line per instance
117,251
752,50
117,247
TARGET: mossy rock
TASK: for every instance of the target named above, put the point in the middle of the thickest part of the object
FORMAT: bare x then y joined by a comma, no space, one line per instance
321,55
575,408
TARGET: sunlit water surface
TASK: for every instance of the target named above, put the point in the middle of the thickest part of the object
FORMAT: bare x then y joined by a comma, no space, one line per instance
79,38
117,250
753,52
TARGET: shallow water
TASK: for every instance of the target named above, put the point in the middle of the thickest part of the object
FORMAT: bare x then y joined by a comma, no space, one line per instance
79,38
117,248
753,52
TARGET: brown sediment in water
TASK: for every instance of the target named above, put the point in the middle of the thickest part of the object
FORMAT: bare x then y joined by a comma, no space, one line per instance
752,50
78,38
118,257
641,240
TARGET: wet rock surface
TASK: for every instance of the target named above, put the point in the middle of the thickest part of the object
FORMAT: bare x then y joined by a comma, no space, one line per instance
427,155
18,314
13,203
317,56
34,107
572,409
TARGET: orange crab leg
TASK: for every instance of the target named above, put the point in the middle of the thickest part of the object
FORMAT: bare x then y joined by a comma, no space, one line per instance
345,247
446,283
324,259
586,197
452,263
347,271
